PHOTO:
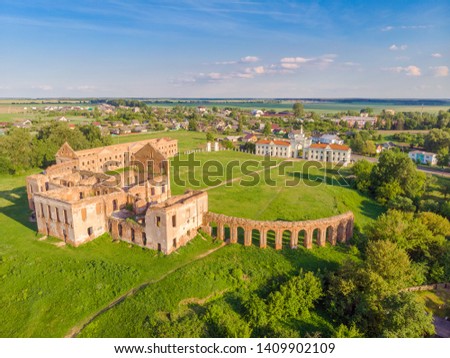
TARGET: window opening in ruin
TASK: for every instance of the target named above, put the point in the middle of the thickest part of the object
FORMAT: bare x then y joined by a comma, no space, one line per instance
174,220
158,221
90,231
175,243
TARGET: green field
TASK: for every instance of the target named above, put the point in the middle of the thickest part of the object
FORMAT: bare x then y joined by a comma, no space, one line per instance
46,290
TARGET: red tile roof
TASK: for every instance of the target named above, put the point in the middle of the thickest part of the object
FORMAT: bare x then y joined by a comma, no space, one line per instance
332,146
276,142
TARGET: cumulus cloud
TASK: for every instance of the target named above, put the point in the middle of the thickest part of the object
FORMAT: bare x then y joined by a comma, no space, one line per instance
394,47
249,59
290,66
439,71
411,70
436,55
295,60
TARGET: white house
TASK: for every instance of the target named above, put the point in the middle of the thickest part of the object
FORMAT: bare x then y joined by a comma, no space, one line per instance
329,139
331,153
273,148
423,157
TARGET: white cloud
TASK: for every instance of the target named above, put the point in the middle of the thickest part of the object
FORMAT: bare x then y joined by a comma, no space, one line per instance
394,47
411,70
406,27
436,55
439,71
290,66
387,28
43,87
249,59
225,62
86,88
295,60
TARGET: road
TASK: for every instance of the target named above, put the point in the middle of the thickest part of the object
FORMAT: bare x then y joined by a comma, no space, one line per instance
356,157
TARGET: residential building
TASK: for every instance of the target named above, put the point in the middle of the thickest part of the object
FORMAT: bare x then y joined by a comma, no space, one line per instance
273,148
330,153
423,157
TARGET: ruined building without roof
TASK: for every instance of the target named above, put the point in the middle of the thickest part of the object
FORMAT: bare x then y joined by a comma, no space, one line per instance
122,189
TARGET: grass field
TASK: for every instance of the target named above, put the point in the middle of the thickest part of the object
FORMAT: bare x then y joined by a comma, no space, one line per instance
45,289
216,278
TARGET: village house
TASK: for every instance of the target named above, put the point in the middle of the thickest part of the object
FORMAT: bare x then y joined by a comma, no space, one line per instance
421,157
330,153
273,148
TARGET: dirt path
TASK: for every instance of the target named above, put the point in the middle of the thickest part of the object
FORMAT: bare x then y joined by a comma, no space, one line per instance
75,331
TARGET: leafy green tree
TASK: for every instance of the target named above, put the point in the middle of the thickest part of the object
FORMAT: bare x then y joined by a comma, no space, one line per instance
267,129
16,153
210,137
437,139
193,125
367,294
299,109
296,297
362,170
401,203
443,157
394,175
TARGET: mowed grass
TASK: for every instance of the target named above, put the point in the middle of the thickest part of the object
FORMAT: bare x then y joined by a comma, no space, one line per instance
294,191
45,289
217,277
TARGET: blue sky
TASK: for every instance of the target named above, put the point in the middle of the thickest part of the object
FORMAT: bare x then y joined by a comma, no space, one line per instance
215,48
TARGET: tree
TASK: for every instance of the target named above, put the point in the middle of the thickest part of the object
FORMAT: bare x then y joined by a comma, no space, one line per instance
296,297
401,203
437,139
299,109
361,170
443,157
267,129
369,148
210,137
395,174
193,125
367,295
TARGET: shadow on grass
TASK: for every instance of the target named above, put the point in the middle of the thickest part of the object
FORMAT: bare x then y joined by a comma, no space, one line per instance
18,209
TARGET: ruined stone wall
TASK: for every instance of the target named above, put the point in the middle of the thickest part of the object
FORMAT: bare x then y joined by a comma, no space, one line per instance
172,224
334,229
54,217
62,168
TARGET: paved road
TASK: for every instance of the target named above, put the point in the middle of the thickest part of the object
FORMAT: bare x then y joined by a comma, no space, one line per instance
425,170
442,327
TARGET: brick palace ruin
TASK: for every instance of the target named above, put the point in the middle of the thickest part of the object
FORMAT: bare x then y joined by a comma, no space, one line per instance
124,190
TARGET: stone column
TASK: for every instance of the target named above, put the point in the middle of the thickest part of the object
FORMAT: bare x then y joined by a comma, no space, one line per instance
262,238
207,229
220,231
234,234
321,240
278,239
308,239
247,237
349,229
294,239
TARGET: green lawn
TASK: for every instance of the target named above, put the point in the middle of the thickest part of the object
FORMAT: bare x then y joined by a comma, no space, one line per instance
219,277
